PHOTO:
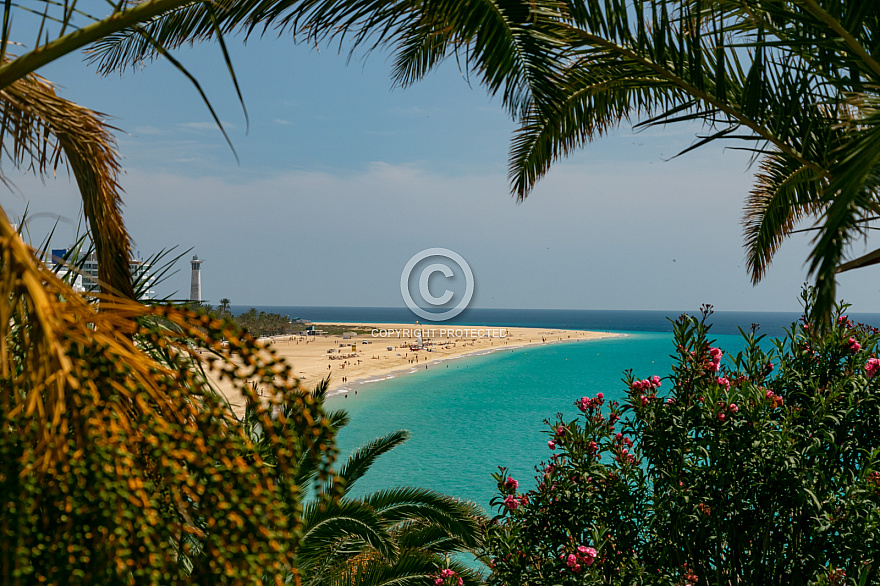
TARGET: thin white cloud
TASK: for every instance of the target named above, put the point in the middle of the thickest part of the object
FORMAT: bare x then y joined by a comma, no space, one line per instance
281,121
664,236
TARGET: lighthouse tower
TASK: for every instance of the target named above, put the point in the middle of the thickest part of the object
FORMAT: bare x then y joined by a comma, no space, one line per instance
195,283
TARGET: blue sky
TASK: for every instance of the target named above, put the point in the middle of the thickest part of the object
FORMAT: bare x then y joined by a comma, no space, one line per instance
342,179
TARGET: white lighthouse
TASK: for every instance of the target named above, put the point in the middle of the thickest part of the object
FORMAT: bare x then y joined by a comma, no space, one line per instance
195,283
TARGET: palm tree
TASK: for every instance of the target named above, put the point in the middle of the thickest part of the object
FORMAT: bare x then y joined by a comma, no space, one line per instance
113,444
401,535
114,447
40,129
224,305
795,83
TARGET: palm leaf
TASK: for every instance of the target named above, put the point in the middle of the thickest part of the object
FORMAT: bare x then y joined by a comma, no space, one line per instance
851,197
329,527
413,567
36,128
784,194
365,456
460,519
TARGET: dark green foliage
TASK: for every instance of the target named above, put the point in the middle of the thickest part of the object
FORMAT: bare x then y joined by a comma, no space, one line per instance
265,324
761,471
401,535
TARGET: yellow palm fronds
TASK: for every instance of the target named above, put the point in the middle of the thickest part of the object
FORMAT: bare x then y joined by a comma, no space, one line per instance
118,461
37,127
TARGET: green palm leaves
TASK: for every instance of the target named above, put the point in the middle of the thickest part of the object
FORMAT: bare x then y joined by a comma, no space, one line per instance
795,83
395,536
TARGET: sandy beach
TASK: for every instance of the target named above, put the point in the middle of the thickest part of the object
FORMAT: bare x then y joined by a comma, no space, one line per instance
355,354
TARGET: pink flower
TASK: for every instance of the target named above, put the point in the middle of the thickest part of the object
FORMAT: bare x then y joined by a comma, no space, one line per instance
551,444
571,561
721,417
446,573
724,383
854,345
589,553
670,401
644,400
872,367
460,581
511,484
510,502
655,380
734,408
600,396
775,399
715,355
560,430
438,582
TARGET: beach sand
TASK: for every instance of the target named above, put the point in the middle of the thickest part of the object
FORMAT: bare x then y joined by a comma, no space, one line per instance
380,351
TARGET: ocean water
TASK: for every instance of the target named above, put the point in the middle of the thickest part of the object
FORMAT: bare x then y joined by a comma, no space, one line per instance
471,415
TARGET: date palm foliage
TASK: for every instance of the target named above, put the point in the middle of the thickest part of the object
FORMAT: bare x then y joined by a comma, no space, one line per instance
795,83
40,131
116,452
115,449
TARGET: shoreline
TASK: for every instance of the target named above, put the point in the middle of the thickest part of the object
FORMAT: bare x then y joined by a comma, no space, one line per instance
355,385
356,355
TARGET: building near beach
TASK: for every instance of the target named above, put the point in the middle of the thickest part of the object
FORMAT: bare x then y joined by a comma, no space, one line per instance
195,282
86,280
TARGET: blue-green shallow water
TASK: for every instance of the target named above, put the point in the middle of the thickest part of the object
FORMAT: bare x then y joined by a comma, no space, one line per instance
488,411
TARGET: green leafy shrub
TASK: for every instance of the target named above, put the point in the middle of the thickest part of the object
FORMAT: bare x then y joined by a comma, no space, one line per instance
760,471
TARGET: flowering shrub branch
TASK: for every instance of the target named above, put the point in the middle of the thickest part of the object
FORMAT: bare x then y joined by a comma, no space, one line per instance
761,467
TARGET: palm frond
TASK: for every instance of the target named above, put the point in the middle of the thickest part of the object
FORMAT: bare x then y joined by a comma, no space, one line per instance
850,197
785,193
365,456
36,129
413,567
460,519
107,422
328,527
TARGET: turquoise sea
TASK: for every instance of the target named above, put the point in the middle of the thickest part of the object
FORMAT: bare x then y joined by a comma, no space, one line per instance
487,411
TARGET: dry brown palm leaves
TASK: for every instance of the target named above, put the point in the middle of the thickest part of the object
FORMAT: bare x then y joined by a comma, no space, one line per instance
115,454
37,128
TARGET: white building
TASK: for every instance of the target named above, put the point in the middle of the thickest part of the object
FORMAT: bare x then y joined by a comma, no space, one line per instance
87,279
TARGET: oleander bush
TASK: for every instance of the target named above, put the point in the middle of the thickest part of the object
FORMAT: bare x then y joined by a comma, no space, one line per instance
758,468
